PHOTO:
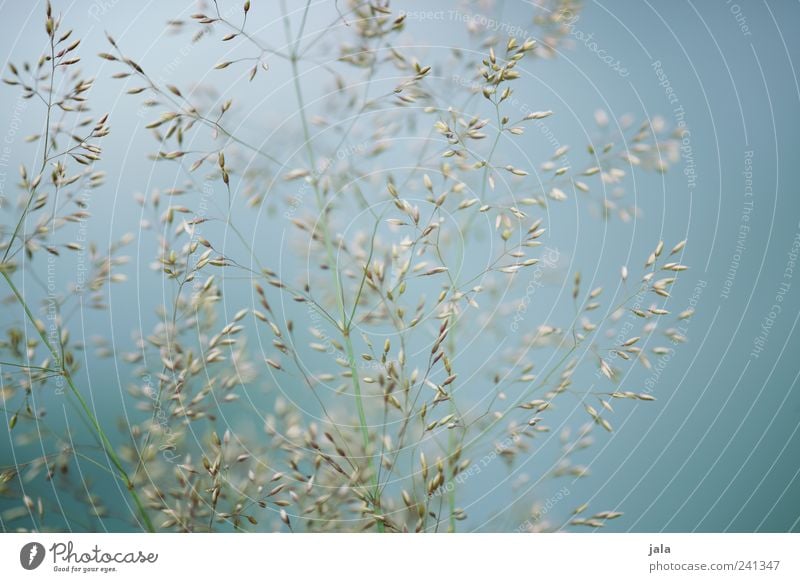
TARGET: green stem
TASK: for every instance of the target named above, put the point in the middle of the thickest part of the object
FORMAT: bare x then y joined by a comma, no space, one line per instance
451,437
44,154
107,446
344,325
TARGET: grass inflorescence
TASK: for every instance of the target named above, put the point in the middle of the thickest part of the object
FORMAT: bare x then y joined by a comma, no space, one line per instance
368,388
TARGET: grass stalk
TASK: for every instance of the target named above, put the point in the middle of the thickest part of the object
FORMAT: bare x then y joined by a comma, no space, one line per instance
95,425
344,325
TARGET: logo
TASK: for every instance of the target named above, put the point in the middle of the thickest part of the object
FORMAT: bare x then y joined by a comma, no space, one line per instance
31,555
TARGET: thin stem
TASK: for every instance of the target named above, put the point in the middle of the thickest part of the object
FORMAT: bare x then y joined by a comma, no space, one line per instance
106,443
46,140
27,366
451,437
556,367
344,325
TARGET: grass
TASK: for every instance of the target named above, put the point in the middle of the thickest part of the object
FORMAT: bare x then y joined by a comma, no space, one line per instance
371,384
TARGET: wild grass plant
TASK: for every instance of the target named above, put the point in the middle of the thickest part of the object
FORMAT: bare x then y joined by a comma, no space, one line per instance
360,358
